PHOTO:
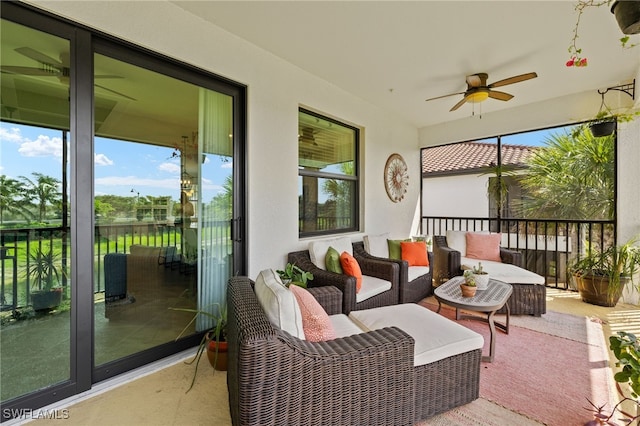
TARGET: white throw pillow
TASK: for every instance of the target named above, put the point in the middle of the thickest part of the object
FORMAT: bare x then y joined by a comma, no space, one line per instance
457,240
279,303
318,250
376,245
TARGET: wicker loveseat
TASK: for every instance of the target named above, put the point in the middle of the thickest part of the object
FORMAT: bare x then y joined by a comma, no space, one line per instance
529,292
367,378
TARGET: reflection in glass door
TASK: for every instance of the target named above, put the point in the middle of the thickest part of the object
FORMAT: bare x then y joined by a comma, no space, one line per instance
163,187
35,284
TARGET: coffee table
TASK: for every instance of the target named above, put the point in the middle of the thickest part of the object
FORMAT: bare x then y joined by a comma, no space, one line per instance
485,301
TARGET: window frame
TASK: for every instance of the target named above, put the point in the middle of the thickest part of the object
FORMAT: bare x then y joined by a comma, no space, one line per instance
355,178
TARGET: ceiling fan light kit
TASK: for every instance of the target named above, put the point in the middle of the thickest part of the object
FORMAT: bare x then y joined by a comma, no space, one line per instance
479,91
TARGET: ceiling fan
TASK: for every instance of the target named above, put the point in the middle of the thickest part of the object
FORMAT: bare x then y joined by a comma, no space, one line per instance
308,135
478,90
50,67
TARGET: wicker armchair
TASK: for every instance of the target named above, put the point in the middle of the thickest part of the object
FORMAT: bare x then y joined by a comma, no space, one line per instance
347,284
408,291
277,379
526,299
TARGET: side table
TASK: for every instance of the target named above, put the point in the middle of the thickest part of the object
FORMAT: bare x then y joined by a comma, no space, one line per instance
485,301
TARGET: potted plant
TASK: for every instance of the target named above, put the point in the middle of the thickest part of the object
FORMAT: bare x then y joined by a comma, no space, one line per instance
626,348
480,276
294,275
627,14
214,340
601,275
44,273
468,287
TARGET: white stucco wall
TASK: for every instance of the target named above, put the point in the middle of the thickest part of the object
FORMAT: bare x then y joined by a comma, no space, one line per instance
466,196
275,90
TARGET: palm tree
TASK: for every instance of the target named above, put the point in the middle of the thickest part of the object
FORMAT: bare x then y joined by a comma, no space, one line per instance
571,178
11,201
45,190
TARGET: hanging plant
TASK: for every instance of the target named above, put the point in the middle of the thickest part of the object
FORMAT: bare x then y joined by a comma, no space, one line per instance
576,58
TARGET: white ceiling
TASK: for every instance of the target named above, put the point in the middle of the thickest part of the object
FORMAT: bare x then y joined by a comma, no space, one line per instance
396,54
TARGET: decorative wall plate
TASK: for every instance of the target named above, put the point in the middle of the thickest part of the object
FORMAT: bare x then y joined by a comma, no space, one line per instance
396,177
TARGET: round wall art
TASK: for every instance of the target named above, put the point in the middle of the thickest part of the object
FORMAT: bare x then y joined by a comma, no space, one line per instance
396,177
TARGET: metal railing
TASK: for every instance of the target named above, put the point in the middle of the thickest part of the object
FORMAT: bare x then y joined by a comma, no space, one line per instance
548,246
20,248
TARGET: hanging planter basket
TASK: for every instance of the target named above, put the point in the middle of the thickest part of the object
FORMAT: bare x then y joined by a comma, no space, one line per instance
603,128
627,14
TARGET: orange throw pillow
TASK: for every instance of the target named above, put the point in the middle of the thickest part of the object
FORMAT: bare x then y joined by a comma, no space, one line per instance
350,267
415,253
484,246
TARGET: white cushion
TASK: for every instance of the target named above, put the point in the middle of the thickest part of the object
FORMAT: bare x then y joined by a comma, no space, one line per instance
318,250
371,286
343,326
506,272
376,245
457,240
436,337
278,303
416,272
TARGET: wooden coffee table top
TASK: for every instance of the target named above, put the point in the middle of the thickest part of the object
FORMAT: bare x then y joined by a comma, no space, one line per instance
489,300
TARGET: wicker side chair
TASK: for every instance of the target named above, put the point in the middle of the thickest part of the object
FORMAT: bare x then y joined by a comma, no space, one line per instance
277,379
347,284
409,291
526,299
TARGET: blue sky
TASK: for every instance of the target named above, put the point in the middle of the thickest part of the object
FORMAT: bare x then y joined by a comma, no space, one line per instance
119,166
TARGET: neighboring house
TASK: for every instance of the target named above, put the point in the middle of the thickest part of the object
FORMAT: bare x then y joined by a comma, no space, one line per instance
465,169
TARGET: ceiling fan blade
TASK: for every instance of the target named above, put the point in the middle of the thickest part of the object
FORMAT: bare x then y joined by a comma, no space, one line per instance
459,104
116,93
445,96
501,96
514,79
30,71
477,80
38,56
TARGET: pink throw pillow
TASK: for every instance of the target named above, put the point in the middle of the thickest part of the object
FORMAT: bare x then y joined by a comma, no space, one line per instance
484,246
315,321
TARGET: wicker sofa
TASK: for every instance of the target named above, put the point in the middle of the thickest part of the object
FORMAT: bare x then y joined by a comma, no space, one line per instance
529,296
367,378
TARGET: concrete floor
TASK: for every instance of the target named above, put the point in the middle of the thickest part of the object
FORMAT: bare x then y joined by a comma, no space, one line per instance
156,395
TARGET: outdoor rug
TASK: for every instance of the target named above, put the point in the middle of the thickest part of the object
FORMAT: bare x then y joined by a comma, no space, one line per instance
545,368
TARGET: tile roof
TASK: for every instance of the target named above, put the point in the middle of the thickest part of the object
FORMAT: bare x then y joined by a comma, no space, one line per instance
471,156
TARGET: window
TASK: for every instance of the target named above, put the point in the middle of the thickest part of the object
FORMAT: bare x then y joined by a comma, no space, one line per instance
327,175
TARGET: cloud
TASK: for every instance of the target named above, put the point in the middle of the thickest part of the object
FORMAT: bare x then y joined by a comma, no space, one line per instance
102,160
10,135
228,165
169,167
44,146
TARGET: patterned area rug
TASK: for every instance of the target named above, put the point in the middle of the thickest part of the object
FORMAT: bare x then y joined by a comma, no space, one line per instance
545,368
479,413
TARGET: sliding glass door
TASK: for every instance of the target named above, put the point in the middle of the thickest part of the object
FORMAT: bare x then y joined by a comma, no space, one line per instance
122,184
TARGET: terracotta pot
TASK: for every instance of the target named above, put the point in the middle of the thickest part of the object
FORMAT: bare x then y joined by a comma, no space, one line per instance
468,291
221,363
627,14
594,289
